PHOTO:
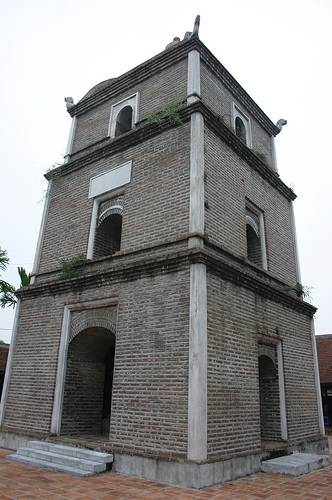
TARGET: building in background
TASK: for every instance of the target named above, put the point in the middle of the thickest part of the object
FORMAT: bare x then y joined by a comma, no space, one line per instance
182,343
4,348
324,351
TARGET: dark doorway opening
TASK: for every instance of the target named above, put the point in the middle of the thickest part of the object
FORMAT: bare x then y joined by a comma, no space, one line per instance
269,399
89,379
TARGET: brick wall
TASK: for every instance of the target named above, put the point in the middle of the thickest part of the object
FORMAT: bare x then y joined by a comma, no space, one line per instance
149,404
220,100
236,319
156,204
170,85
324,353
229,181
4,349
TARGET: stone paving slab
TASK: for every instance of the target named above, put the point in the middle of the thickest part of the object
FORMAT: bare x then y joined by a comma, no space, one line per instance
22,482
295,464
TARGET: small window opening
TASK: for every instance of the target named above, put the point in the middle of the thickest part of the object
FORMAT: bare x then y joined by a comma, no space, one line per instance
108,236
124,121
240,130
254,251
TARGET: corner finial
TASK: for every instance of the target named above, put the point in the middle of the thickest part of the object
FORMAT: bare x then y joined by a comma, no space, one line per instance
196,27
280,123
193,34
69,102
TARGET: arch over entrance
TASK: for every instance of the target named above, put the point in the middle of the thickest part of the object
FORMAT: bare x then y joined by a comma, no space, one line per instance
88,385
269,399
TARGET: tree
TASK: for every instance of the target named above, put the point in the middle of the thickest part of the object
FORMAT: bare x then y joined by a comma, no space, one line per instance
7,291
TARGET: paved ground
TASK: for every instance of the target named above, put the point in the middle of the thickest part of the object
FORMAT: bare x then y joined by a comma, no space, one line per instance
18,481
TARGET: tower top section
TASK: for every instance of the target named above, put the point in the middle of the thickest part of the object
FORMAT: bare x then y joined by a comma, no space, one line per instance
174,52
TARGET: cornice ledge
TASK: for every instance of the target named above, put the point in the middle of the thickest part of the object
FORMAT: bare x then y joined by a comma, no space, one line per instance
222,131
169,262
257,285
108,147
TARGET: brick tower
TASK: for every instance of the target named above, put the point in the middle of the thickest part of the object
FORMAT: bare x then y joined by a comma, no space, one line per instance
182,343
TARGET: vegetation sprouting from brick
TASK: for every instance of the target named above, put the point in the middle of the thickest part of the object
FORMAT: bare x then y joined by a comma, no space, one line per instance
7,291
72,266
170,113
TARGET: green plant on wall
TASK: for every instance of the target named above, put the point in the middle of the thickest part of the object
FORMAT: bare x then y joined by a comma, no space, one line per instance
71,266
170,113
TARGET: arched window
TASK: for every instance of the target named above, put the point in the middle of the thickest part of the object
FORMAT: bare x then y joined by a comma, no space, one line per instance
254,249
240,130
108,232
124,121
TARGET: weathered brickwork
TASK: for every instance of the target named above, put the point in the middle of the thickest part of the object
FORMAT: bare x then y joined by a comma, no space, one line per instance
154,94
229,183
236,320
150,370
156,201
220,100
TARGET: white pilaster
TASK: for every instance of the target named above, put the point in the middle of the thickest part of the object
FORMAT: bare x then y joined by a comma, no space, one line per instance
70,140
196,211
274,155
93,225
282,396
263,241
296,252
5,387
194,77
61,373
317,380
36,262
197,392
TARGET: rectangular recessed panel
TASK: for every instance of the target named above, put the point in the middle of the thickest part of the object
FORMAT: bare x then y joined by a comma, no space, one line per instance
112,179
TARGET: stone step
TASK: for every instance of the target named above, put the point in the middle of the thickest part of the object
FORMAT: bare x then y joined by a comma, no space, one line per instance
79,461
295,464
57,458
49,465
72,451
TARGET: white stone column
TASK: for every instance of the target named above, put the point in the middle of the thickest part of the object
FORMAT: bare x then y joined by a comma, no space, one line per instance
197,390
194,77
263,241
36,262
196,210
296,252
274,155
317,380
92,232
61,373
70,140
282,396
9,365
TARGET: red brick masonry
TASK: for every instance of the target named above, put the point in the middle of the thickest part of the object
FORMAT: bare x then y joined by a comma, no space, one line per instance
324,351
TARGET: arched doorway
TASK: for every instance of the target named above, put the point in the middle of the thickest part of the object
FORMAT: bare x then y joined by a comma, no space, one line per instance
88,385
269,399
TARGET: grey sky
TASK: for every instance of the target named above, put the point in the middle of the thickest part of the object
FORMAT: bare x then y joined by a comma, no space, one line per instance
278,51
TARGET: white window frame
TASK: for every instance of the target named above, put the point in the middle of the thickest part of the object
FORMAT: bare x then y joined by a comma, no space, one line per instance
110,191
261,230
133,101
237,112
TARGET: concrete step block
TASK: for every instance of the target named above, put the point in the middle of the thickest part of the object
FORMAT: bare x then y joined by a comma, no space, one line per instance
295,464
72,451
68,461
50,465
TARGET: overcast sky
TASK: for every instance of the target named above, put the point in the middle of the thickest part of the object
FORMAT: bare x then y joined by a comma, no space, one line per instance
279,51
